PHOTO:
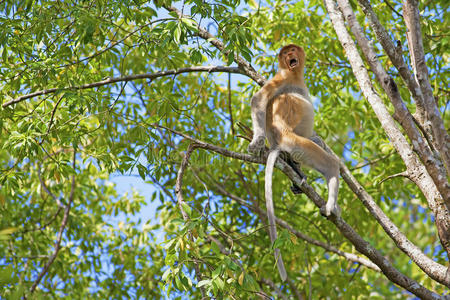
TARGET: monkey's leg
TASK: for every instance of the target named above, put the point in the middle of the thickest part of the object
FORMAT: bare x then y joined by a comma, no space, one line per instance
306,151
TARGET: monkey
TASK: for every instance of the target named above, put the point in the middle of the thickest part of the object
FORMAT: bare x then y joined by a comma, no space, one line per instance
282,110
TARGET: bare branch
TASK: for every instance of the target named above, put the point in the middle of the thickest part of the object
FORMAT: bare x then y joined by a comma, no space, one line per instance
209,69
435,270
426,106
434,166
401,174
415,43
393,9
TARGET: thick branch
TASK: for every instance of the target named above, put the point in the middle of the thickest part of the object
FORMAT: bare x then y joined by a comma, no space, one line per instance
426,105
434,270
434,166
347,231
209,69
415,168
415,43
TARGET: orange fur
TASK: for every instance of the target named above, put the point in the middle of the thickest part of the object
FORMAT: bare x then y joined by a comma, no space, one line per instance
283,111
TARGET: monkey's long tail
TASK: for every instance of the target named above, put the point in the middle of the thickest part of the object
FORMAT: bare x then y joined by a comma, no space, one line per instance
270,210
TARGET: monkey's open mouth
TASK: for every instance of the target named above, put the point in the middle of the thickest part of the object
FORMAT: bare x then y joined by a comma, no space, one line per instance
293,63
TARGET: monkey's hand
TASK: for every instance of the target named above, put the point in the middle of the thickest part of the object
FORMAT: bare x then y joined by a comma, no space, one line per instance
257,145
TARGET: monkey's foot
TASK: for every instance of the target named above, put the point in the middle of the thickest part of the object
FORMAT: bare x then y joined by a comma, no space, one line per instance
296,189
257,145
329,209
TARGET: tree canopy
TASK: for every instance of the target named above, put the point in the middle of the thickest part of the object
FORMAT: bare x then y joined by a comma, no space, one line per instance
160,92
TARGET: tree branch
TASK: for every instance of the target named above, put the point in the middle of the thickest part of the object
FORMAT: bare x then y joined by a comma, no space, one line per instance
242,63
435,270
209,69
60,233
392,8
178,186
426,106
415,43
434,166
405,119
401,174
44,186
273,286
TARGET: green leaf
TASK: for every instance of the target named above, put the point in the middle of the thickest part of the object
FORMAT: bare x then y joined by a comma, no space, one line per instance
166,274
142,171
186,208
177,34
205,282
215,248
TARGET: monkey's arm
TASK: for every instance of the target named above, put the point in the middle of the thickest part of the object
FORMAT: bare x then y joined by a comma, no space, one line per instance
258,112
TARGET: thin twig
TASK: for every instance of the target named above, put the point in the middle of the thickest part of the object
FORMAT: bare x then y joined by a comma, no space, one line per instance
57,245
401,174
53,114
44,186
178,192
230,110
272,285
393,9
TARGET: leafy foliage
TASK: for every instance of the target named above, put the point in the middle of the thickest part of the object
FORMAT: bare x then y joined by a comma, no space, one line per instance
106,250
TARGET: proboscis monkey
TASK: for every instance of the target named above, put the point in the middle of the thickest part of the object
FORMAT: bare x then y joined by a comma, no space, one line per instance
289,124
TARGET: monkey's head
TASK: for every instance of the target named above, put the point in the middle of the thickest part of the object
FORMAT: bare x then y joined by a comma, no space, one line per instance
292,57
